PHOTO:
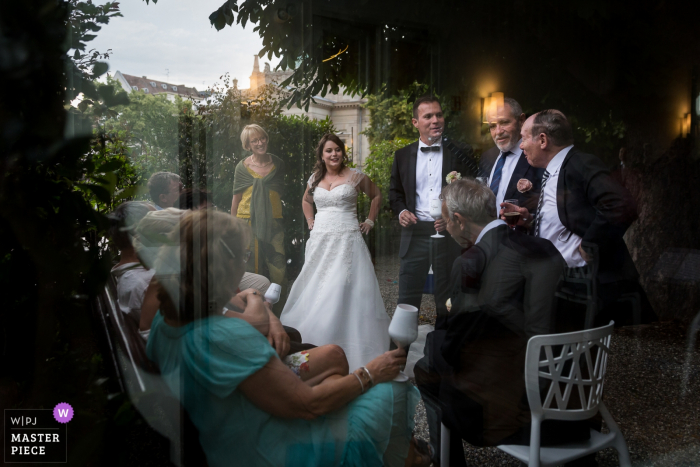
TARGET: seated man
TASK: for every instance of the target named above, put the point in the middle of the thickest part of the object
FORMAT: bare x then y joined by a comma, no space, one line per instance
502,293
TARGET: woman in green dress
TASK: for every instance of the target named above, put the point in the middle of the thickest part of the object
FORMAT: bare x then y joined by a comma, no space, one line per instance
251,409
257,186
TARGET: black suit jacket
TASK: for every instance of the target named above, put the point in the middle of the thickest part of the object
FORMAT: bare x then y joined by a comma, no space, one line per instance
402,190
595,207
502,294
523,169
504,284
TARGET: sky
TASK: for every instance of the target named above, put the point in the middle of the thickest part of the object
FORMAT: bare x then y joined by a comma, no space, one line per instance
175,35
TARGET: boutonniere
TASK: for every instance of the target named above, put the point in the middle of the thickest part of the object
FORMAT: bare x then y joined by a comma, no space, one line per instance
452,176
524,185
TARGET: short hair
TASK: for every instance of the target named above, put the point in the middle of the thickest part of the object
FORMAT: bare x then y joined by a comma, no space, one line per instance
423,100
515,107
123,221
554,124
159,184
188,197
249,131
471,199
197,277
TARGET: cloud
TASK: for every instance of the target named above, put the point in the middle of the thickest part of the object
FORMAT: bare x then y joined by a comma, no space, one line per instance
176,35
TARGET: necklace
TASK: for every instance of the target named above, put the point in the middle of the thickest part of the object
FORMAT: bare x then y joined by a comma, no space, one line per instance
253,163
335,179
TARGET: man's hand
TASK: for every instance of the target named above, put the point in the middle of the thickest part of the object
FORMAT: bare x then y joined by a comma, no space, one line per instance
277,337
524,213
586,257
407,218
440,225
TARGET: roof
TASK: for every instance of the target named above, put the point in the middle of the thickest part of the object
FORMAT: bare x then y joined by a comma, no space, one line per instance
146,83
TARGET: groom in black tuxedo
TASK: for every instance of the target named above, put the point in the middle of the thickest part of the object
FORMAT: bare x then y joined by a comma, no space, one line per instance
417,176
505,165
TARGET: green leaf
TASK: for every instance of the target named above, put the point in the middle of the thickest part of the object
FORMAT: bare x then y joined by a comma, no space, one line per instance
110,166
128,192
100,69
100,192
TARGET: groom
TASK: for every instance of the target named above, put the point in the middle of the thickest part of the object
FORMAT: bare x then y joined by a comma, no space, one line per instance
417,176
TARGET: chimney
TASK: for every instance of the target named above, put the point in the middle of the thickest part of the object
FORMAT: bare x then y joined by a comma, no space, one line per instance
144,77
256,65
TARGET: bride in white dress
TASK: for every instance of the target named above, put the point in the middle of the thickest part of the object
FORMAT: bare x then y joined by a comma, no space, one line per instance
336,298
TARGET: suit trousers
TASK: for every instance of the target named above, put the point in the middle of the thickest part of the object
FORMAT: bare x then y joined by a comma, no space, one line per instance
423,252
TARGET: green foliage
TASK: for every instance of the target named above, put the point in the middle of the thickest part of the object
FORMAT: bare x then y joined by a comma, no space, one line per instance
602,137
391,115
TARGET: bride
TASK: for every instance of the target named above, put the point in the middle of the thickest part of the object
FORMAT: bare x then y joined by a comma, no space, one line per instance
336,299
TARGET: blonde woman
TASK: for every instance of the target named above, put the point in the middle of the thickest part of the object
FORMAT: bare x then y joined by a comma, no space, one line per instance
257,186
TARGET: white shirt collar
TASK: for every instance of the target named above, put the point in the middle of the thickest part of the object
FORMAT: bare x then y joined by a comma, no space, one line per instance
558,160
421,144
489,226
516,151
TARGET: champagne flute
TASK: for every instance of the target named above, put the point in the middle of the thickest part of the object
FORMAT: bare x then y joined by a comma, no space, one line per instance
436,213
403,330
511,213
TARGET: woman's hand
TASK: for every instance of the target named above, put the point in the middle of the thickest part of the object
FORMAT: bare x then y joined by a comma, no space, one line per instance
365,228
277,337
387,366
310,221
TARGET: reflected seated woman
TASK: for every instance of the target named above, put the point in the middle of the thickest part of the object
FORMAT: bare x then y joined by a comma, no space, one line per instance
249,407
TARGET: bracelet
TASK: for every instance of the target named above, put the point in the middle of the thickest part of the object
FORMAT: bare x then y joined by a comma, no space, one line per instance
369,222
364,368
361,383
309,218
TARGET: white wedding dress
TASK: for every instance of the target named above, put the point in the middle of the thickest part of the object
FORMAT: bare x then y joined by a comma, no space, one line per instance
336,298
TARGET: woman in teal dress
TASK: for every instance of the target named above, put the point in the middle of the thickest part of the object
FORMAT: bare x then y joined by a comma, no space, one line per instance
249,407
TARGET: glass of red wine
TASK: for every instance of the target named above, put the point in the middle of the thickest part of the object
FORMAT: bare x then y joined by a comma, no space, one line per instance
510,212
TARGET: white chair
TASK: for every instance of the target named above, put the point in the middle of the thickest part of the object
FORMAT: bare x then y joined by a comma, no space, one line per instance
577,370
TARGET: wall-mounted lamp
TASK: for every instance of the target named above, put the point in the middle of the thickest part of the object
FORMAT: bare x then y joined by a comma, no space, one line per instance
685,125
492,107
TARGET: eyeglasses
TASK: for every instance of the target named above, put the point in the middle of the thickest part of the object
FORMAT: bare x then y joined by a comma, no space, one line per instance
246,254
258,141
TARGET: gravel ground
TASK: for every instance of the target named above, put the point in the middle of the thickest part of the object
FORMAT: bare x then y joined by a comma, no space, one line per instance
652,389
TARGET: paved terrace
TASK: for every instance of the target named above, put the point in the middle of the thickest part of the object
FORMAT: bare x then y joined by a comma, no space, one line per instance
652,389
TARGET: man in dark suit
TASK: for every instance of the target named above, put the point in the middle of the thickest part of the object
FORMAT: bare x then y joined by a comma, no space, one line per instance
581,204
418,174
504,165
502,293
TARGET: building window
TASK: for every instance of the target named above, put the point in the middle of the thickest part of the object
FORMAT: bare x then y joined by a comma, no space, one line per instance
135,88
145,90
153,83
175,88
164,86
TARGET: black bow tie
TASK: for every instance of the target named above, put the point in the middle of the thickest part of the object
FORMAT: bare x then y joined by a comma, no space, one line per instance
430,148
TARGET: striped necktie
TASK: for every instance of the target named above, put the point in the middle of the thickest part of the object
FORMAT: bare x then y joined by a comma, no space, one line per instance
538,216
498,172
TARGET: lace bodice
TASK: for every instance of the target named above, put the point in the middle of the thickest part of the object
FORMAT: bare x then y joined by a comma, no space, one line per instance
343,197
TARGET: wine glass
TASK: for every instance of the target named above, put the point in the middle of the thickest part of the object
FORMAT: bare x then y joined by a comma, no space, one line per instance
403,330
436,213
510,212
272,295
482,180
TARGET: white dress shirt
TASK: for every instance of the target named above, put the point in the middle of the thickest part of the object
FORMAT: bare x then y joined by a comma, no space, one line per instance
506,173
489,226
551,226
428,179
